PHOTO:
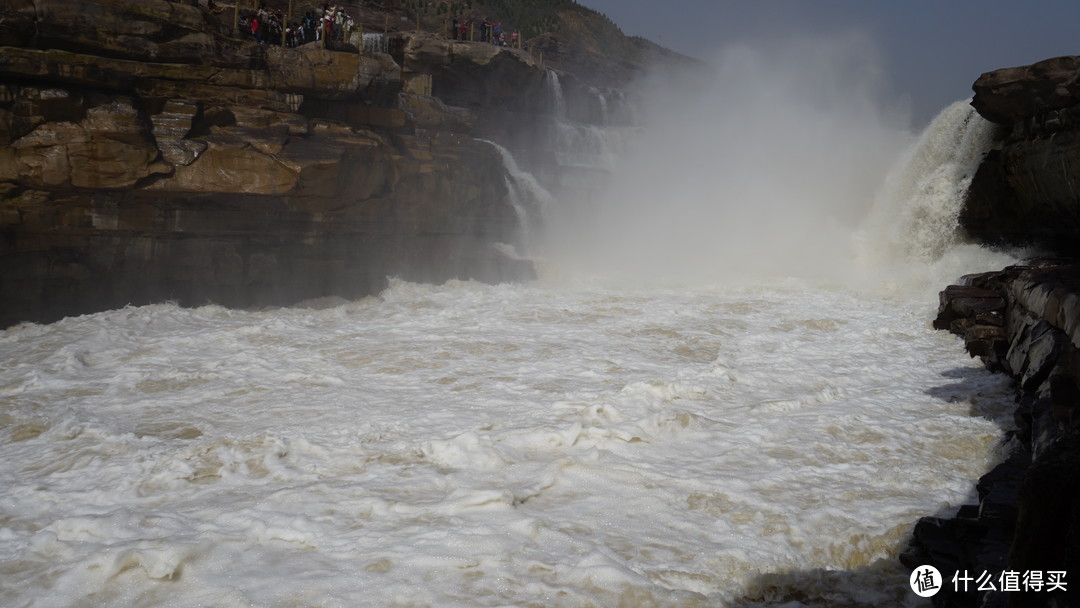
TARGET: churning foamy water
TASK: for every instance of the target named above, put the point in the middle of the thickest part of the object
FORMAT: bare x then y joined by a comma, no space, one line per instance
471,445
579,441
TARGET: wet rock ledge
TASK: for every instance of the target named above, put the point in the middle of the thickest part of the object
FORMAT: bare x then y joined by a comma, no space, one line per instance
1023,321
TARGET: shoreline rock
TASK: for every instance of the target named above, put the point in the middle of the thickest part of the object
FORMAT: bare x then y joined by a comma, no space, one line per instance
1022,321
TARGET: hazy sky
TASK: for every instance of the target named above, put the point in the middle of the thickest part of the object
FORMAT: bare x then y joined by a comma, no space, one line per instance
931,50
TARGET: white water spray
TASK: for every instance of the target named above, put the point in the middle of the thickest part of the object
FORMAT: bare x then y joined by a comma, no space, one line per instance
375,42
787,165
767,171
531,201
916,214
576,145
555,92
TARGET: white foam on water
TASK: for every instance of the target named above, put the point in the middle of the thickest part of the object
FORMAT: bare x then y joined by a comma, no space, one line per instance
470,445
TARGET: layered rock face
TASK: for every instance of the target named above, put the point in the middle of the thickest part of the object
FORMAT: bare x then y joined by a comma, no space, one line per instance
1027,192
1023,321
147,155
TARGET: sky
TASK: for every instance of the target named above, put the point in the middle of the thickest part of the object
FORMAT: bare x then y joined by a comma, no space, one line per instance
931,51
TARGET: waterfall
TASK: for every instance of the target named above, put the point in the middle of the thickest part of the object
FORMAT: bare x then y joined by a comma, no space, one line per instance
580,146
916,213
586,146
376,43
530,201
555,92
602,100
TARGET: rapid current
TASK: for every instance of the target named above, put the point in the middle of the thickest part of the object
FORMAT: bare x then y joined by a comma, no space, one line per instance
690,439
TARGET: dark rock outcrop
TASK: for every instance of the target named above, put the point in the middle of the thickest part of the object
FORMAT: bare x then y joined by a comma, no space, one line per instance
1027,192
1023,321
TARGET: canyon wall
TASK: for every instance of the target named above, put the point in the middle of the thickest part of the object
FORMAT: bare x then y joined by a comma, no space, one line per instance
148,154
1027,191
1023,321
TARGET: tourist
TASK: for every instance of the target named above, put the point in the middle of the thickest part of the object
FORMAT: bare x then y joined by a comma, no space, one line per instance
339,25
328,23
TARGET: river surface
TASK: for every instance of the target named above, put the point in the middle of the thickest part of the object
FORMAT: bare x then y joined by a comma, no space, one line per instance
569,443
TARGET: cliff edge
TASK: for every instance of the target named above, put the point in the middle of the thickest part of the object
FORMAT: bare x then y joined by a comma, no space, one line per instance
1027,191
1021,542
148,153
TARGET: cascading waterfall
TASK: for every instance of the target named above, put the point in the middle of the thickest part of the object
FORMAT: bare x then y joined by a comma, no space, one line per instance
786,165
580,151
601,99
915,215
580,146
586,146
530,200
555,93
375,42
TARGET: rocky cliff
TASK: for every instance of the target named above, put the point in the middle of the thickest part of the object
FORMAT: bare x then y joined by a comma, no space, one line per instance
1027,191
148,154
1023,321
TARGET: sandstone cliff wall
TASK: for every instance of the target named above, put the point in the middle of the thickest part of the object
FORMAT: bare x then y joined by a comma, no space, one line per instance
146,154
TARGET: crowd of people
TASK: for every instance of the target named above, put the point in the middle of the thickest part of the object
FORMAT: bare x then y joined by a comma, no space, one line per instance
329,24
332,25
490,31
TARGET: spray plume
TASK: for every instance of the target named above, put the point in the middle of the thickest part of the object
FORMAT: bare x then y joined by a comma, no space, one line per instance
770,168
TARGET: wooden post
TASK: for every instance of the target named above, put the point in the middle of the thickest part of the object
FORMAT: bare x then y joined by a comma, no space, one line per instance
285,24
